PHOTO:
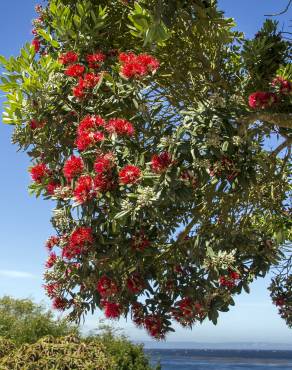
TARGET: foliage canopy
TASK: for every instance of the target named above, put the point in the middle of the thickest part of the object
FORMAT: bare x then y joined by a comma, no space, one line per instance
146,121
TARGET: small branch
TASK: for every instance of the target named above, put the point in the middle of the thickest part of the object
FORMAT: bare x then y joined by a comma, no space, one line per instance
185,232
282,12
286,144
278,119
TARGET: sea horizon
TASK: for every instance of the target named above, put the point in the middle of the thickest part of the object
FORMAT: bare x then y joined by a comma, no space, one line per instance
244,345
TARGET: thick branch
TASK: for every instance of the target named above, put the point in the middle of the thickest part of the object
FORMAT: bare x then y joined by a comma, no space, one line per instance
279,119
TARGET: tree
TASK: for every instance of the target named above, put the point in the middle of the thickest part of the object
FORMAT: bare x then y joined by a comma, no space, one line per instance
23,321
146,121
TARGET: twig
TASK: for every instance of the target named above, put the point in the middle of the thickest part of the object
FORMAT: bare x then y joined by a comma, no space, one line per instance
282,12
286,143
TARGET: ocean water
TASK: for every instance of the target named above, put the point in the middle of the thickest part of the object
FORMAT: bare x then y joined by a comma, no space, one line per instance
189,359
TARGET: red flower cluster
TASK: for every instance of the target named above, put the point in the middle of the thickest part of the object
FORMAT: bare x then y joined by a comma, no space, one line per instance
78,91
74,70
34,124
103,166
129,174
79,240
230,280
284,86
51,260
59,303
51,242
137,313
87,133
153,324
52,289
262,100
84,189
39,172
90,124
188,311
137,65
160,163
120,127
104,163
111,310
140,242
36,44
106,287
73,167
51,187
89,81
68,58
280,301
94,60
135,283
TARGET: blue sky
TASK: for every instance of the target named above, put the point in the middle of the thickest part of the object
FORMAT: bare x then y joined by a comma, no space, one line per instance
24,221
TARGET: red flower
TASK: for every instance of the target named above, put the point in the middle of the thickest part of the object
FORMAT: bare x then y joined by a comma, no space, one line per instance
129,174
133,69
160,163
39,172
103,183
75,70
84,189
51,260
140,242
104,163
78,91
227,282
68,58
51,187
111,310
51,289
84,141
285,86
135,283
189,308
280,302
34,124
79,240
262,100
90,124
91,80
136,66
73,167
120,127
153,325
59,303
106,287
52,241
149,61
94,60
138,313
127,57
36,44
234,275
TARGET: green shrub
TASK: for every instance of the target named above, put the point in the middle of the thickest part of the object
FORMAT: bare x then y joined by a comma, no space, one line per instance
66,353
127,356
23,321
6,347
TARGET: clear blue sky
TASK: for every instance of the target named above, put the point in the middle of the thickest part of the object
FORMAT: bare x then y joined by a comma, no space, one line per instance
24,221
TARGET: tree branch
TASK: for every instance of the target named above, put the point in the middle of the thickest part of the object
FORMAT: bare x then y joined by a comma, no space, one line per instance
282,12
278,119
287,143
